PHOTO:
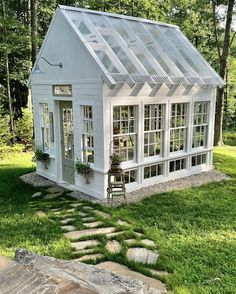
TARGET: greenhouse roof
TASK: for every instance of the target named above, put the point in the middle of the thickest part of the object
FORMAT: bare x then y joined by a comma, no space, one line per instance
133,50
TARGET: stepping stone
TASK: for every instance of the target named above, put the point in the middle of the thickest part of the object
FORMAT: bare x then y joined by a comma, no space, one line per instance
84,251
41,213
113,247
55,189
84,244
81,213
102,213
111,235
68,228
142,255
37,194
75,204
52,196
130,241
89,232
88,207
72,210
90,257
158,273
148,242
88,219
93,225
67,220
138,234
55,209
122,223
124,271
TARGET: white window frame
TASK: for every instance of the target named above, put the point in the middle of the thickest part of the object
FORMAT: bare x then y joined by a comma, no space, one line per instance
123,136
200,121
44,127
159,121
179,129
87,133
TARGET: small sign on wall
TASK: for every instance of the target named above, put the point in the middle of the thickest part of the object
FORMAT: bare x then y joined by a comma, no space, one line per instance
62,90
51,127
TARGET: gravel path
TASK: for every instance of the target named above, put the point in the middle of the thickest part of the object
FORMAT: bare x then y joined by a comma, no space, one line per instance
138,195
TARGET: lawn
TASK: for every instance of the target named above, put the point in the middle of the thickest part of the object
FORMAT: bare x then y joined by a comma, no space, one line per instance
194,228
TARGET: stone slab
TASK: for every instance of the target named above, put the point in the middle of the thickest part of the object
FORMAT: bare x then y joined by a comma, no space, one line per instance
88,207
83,251
123,270
55,189
122,223
90,257
101,213
111,235
88,219
68,228
113,247
89,232
142,255
81,213
93,225
148,242
158,273
37,194
52,196
130,241
41,213
67,220
84,244
75,204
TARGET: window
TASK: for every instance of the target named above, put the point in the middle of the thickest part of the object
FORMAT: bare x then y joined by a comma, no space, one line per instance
153,170
44,124
62,90
130,176
200,124
178,131
153,129
87,136
124,132
178,164
199,159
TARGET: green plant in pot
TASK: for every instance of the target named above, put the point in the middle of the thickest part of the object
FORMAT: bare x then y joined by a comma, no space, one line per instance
115,163
84,170
40,155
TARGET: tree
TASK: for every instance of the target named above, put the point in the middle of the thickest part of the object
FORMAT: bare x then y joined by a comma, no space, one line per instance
34,32
223,56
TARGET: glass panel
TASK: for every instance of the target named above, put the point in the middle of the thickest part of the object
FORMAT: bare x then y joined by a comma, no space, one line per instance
68,133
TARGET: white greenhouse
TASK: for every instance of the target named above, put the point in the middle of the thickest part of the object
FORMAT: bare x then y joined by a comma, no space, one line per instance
105,83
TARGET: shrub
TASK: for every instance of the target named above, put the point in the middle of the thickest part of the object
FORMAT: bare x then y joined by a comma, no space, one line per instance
5,135
6,151
24,127
229,138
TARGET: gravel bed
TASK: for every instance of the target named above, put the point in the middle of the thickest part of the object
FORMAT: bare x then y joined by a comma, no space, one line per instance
36,180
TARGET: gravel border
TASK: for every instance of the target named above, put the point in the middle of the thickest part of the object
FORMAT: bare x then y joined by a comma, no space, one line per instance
137,195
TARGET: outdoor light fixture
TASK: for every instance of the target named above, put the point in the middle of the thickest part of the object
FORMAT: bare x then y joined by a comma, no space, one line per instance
37,68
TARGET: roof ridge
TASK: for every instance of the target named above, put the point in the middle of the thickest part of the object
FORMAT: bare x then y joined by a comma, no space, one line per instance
116,15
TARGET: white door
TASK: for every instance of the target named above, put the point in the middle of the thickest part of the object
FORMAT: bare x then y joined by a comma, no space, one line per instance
67,142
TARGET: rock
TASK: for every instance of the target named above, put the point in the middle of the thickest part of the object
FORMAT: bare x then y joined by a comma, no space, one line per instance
67,220
101,213
148,242
122,223
37,194
142,255
55,189
41,213
52,196
113,247
68,228
88,219
89,232
130,241
93,225
75,204
84,244
123,270
42,274
90,257
111,235
81,213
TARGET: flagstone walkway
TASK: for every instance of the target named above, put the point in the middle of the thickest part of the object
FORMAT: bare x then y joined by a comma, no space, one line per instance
95,235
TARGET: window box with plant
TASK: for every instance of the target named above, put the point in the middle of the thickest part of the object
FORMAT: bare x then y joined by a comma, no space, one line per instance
84,170
115,163
40,155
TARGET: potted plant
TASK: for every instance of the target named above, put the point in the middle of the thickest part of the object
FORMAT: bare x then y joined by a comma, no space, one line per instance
40,155
84,169
115,163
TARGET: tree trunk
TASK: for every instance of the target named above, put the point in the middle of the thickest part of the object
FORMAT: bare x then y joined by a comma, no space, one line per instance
34,33
218,138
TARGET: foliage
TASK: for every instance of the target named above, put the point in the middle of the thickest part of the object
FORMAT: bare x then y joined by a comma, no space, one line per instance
5,136
9,151
24,127
115,159
40,155
84,169
229,137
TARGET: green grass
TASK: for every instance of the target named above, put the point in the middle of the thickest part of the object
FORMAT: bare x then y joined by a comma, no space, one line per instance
195,229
